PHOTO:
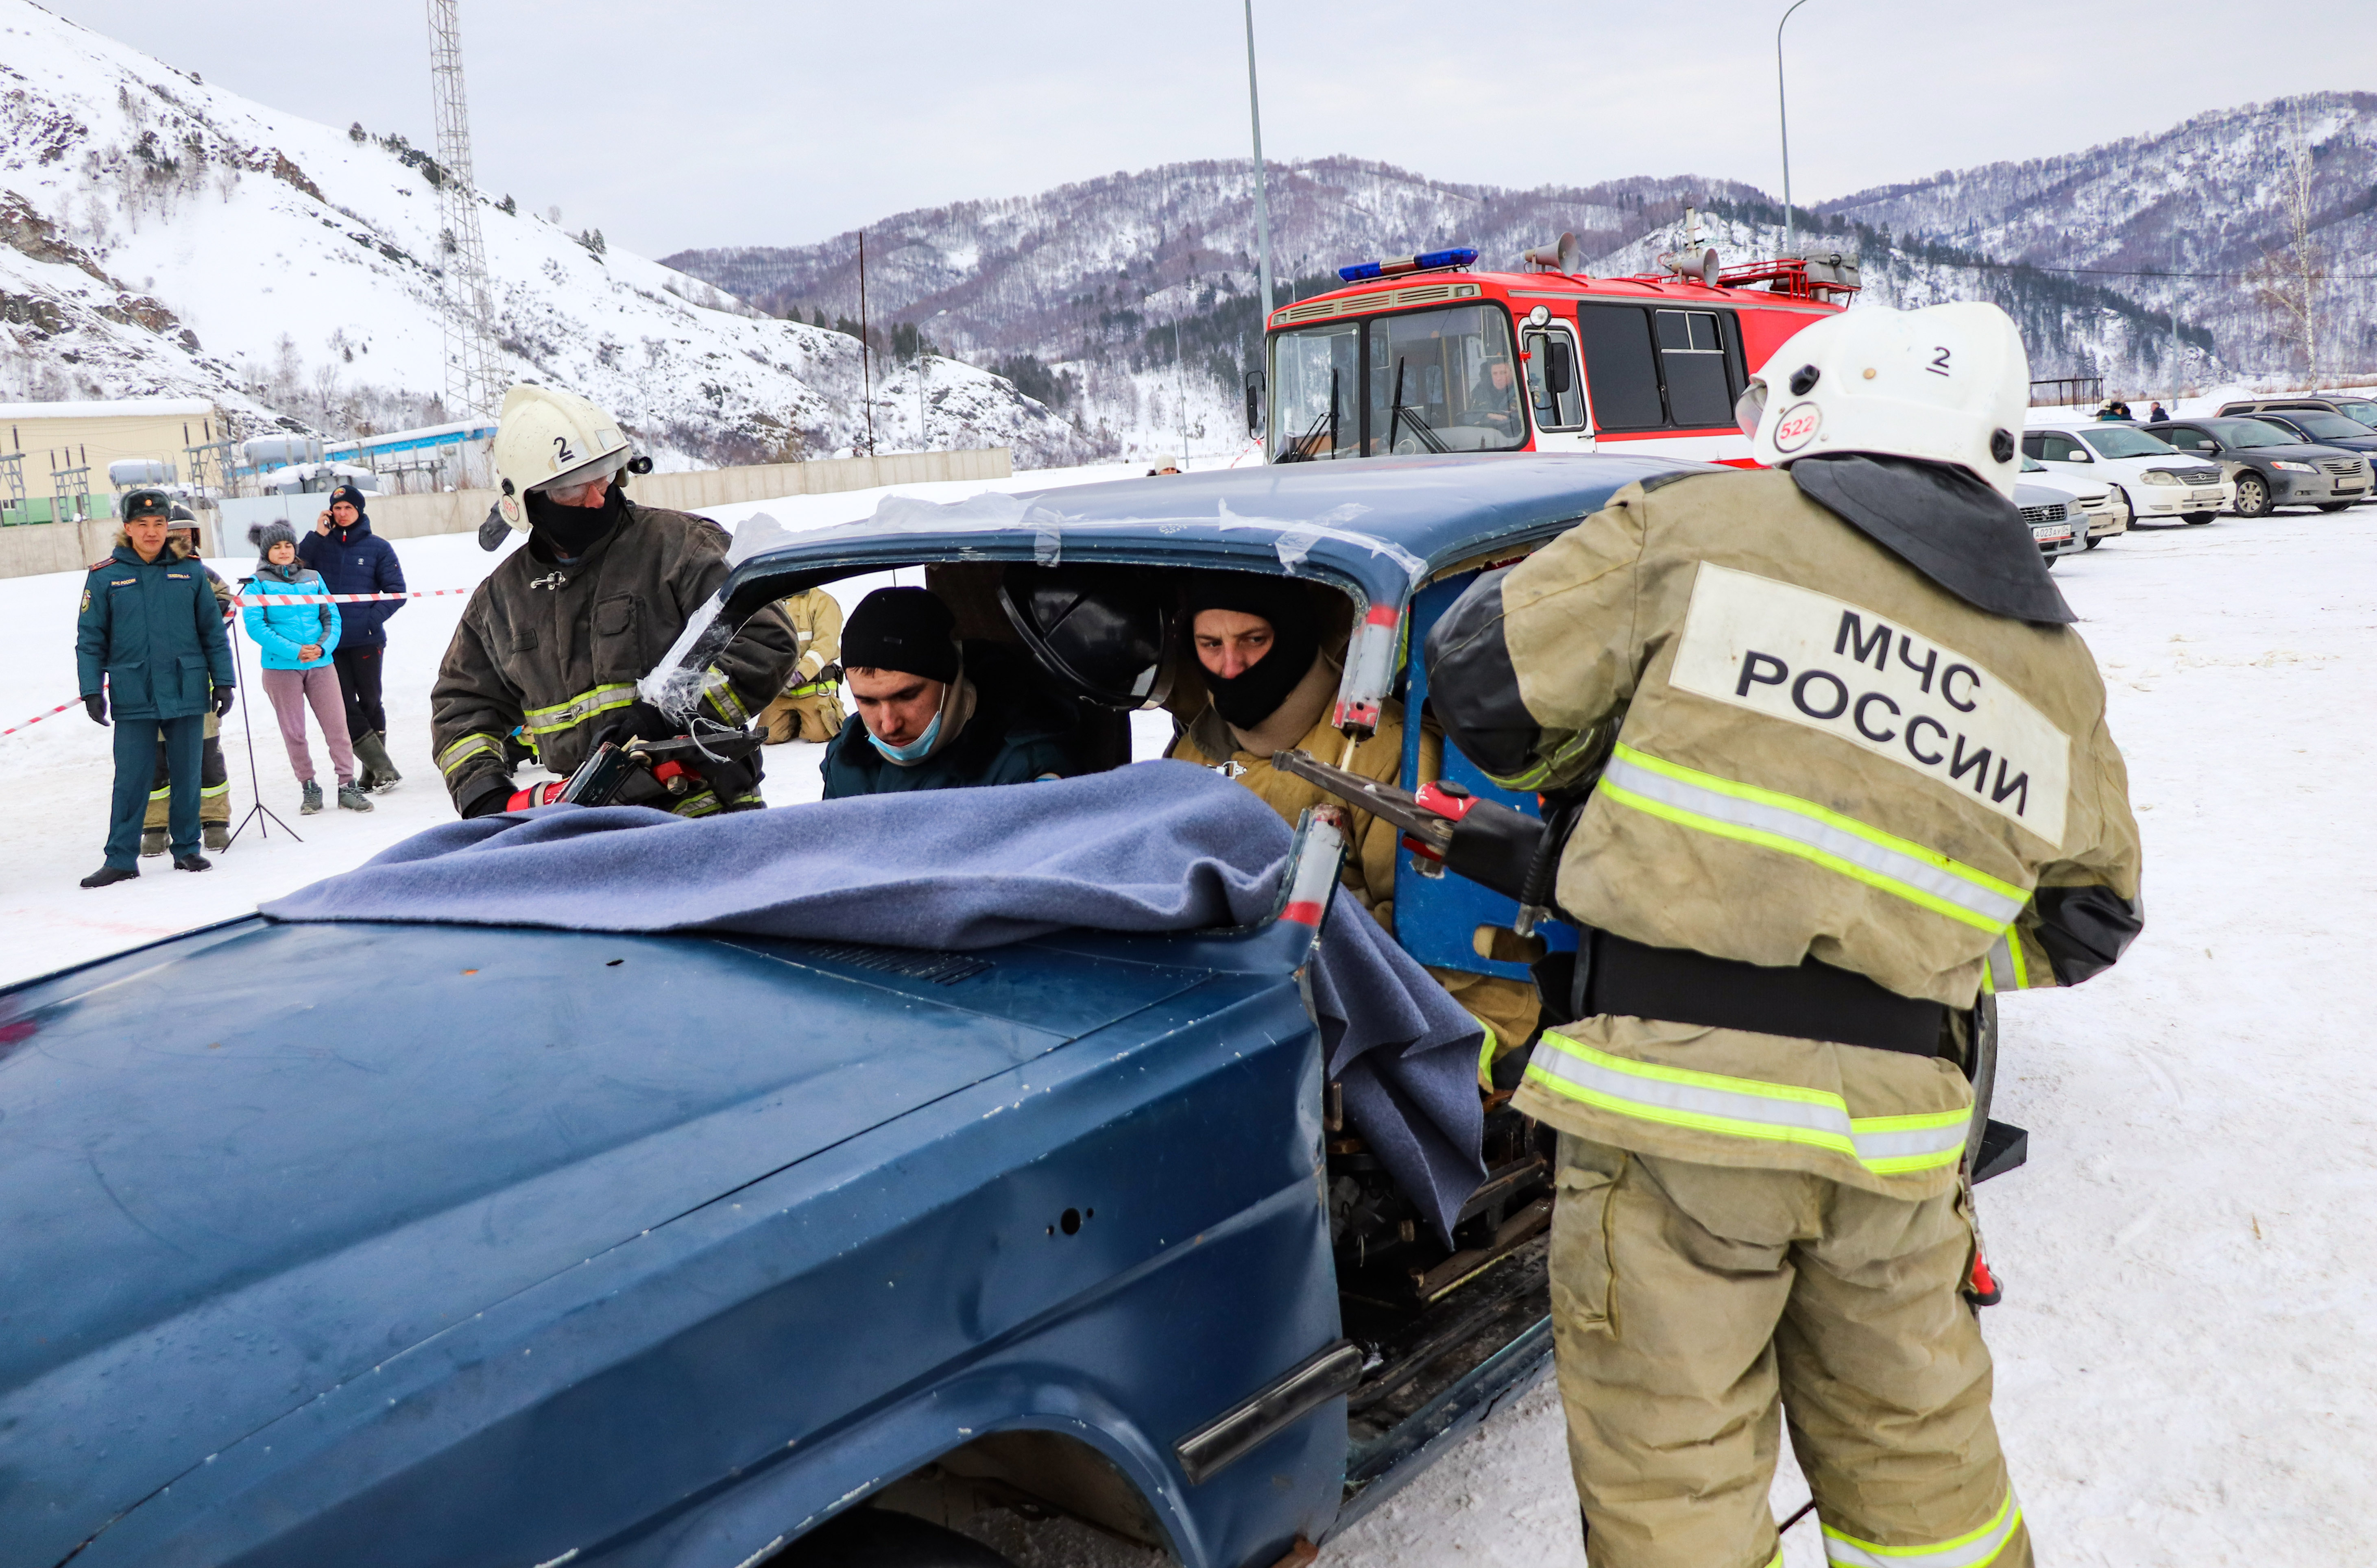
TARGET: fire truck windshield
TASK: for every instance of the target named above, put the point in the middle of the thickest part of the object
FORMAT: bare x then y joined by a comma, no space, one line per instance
1415,381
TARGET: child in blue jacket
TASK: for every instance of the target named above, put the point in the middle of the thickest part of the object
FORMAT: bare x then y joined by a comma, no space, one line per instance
296,641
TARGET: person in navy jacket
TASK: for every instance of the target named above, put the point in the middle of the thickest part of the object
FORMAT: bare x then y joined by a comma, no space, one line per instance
149,640
352,559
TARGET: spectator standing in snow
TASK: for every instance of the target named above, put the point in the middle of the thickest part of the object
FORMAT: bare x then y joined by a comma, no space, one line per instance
296,642
214,778
149,639
352,559
2155,415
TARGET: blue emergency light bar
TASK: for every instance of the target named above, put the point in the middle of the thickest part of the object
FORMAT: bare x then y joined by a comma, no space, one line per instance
1429,261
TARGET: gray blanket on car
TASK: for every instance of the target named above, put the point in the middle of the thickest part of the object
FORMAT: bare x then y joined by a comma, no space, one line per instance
1157,846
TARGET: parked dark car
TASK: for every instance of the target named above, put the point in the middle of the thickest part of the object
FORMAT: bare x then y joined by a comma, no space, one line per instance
2320,427
2269,466
2362,409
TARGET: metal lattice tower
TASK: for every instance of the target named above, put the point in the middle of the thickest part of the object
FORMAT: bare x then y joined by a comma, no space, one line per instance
469,312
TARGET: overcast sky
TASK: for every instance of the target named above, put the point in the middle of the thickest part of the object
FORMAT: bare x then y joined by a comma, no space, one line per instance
706,122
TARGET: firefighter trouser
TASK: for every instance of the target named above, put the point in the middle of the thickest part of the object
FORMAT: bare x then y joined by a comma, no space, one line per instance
214,781
1686,1298
806,713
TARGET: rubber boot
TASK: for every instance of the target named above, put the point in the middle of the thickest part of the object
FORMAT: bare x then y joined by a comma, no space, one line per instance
312,800
379,773
217,836
152,842
353,798
194,863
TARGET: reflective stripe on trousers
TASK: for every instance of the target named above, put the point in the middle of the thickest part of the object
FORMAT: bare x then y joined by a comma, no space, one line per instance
1976,1550
1748,815
577,710
1745,1108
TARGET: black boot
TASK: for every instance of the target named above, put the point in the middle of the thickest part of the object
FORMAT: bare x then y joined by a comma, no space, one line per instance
108,876
194,863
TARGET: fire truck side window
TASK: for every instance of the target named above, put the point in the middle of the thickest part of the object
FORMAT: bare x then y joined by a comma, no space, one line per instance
1445,381
1317,393
1620,368
1553,384
1693,351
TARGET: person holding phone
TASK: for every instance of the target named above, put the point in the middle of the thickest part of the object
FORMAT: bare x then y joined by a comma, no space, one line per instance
352,559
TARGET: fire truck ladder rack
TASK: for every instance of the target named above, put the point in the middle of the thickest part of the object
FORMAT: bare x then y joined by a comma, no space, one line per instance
1784,275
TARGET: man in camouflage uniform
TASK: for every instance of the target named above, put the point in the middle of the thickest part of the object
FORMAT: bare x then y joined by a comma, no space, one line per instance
1849,766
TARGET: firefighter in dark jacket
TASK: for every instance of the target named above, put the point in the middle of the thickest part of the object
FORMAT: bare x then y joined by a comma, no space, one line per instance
352,558
151,636
556,638
1848,768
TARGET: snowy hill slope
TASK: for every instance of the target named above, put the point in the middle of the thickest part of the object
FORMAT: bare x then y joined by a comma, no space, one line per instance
1091,278
159,235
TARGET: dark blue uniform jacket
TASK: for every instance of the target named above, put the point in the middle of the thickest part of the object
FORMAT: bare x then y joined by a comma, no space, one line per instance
155,632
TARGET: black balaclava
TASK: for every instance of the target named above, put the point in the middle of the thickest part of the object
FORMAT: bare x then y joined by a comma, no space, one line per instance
571,531
1247,699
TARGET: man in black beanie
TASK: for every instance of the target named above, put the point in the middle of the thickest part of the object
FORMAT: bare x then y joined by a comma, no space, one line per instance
352,558
934,712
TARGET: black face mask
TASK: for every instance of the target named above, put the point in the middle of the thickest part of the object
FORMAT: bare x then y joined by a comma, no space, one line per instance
571,531
1247,699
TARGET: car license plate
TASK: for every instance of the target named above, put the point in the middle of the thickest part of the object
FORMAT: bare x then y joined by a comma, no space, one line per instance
2051,535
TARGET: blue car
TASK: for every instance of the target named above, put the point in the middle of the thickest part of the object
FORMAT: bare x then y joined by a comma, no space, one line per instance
396,1244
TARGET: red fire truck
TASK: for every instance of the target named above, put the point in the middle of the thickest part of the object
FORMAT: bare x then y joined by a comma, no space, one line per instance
1422,354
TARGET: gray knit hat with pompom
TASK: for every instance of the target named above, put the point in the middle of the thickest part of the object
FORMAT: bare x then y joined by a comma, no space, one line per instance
264,536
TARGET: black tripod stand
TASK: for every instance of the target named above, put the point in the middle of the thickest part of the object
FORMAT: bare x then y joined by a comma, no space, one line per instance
247,724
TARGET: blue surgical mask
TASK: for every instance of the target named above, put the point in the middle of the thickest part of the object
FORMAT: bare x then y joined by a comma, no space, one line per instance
915,750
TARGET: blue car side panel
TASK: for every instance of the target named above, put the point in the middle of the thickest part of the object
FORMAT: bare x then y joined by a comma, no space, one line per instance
778,1351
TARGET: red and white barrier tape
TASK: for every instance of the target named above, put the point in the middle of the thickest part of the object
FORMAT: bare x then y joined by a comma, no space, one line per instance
248,599
38,717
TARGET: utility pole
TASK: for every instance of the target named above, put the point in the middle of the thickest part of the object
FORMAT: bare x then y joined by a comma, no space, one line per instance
1263,206
468,313
1782,119
866,347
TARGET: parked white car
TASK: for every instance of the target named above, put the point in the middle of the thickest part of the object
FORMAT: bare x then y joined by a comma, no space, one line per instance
2103,505
2155,478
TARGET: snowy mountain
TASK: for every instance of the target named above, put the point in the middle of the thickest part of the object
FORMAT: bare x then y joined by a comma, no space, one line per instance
1093,279
162,236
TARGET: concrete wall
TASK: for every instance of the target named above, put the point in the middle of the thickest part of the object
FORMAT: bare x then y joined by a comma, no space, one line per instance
70,547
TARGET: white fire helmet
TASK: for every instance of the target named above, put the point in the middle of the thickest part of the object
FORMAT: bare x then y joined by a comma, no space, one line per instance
548,440
1947,383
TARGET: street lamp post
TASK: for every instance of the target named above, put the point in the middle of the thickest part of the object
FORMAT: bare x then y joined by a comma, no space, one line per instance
1783,117
1262,207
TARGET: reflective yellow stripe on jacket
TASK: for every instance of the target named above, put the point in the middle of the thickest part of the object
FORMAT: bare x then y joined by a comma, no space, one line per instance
1745,1108
1977,1549
1707,803
723,700
466,748
577,710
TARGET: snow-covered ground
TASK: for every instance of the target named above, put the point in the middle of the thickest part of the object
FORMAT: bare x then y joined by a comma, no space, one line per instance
2184,1366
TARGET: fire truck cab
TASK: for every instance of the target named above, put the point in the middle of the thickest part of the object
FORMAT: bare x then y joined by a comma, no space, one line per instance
1423,354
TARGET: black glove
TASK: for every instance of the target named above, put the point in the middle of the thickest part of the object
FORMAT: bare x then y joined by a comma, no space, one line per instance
828,676
96,706
485,795
730,780
638,721
223,696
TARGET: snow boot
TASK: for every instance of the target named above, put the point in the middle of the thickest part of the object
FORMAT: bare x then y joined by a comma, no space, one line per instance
194,863
379,773
351,799
152,842
107,876
217,835
312,800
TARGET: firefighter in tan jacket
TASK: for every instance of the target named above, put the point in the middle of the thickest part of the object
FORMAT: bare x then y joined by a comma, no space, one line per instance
810,708
1849,767
1257,639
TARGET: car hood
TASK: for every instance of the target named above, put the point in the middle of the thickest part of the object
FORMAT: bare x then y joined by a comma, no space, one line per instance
2294,452
247,1165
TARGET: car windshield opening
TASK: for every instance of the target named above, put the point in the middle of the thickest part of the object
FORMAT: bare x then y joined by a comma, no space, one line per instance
1445,381
2256,433
2118,442
2322,425
1316,391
